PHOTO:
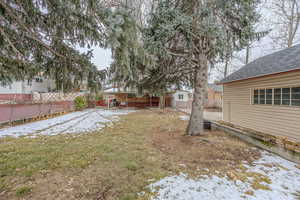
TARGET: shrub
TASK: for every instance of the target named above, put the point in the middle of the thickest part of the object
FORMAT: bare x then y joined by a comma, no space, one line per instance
80,103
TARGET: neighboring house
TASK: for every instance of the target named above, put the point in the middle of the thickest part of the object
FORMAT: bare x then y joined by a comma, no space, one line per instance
22,90
214,96
182,99
130,98
119,94
265,95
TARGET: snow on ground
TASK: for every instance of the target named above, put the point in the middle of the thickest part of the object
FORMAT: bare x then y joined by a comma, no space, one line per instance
184,117
284,176
76,122
208,115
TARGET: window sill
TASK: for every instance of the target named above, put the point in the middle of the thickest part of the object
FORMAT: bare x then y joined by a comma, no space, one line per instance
287,106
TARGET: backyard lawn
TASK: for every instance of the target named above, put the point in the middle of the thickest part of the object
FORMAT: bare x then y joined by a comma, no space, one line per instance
144,155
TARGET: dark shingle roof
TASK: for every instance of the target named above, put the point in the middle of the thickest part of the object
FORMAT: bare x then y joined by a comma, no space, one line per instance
281,61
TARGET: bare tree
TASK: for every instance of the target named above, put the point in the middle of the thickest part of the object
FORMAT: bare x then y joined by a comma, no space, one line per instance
286,21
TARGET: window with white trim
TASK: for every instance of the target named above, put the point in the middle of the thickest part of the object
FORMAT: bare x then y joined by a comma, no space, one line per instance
286,96
180,96
295,96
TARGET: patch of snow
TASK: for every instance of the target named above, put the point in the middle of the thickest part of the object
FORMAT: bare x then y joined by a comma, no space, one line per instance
213,116
184,117
284,176
76,122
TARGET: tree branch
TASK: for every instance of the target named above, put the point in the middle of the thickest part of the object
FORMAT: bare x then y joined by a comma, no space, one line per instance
32,34
19,54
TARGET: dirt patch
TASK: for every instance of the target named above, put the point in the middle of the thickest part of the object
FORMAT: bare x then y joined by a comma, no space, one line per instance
216,150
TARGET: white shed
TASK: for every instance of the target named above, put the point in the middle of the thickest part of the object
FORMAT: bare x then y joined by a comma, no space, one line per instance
182,99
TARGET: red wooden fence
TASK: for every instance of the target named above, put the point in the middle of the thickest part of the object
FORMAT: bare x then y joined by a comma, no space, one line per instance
14,112
140,102
16,97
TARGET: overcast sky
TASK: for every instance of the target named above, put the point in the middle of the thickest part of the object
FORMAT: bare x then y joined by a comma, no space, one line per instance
260,48
101,57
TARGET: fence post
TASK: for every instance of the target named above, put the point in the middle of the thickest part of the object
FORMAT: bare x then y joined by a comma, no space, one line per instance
11,102
40,104
11,113
50,107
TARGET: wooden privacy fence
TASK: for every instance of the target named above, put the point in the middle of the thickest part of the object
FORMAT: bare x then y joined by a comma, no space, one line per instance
16,112
15,97
140,102
16,107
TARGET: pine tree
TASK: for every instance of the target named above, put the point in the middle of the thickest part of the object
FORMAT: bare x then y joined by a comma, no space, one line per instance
195,34
40,37
130,59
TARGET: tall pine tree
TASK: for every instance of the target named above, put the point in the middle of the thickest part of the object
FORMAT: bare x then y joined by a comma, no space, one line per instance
196,34
41,36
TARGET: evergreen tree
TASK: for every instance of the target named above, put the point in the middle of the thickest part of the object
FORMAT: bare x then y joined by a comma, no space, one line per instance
130,59
195,34
40,36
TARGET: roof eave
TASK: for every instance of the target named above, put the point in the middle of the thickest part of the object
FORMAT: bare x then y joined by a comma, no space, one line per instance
258,76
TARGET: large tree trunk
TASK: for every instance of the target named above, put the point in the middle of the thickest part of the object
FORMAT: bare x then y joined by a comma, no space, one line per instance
196,123
140,91
162,101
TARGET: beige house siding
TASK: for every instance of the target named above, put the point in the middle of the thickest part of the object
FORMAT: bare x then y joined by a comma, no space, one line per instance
272,119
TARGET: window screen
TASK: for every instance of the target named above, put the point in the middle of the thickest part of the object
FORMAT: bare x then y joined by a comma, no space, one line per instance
262,96
296,96
255,98
269,96
286,96
277,96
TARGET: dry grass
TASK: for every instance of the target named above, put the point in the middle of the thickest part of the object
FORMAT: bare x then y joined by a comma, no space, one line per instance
116,162
216,151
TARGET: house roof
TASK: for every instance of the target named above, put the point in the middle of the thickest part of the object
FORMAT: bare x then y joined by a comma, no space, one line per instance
281,61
